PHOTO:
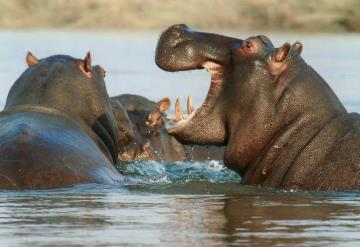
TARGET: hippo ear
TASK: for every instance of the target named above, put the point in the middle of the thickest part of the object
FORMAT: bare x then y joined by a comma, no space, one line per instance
297,47
87,62
85,65
282,52
279,63
31,59
164,104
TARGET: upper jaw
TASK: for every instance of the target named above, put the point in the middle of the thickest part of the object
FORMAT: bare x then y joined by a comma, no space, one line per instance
180,48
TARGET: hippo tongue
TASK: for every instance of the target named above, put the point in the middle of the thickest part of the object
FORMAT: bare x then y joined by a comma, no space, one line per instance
205,125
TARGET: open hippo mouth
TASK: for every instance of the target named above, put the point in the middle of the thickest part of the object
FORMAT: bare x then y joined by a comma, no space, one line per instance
179,49
182,122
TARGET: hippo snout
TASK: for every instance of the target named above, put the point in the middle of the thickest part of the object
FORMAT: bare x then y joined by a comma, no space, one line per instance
178,49
174,35
182,48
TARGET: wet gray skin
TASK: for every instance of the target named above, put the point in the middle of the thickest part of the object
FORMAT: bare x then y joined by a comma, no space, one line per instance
149,140
57,128
125,132
283,125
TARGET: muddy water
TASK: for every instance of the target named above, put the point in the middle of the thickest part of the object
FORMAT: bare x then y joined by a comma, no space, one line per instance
185,203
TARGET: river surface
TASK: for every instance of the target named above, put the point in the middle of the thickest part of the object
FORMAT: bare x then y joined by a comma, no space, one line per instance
183,203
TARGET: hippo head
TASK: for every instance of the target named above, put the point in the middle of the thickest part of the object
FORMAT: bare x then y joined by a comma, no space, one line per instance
147,119
256,91
147,116
72,87
181,48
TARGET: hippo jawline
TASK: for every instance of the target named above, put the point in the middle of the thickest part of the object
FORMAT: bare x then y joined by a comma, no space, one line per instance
216,85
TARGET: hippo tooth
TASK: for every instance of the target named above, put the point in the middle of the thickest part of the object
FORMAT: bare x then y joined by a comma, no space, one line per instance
178,112
190,107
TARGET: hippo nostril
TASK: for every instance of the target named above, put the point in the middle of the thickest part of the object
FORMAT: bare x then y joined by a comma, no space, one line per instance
179,26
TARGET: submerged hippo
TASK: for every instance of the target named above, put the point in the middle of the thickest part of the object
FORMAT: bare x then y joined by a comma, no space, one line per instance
282,124
144,124
57,128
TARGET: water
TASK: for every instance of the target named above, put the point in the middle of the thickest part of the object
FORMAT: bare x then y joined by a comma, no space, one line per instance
185,203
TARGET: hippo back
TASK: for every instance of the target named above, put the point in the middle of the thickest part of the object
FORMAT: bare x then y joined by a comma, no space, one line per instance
41,150
57,128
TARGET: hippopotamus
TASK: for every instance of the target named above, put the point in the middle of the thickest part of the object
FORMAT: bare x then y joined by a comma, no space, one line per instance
143,122
57,128
282,124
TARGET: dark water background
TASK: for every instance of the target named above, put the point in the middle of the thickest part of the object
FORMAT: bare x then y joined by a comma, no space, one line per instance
184,203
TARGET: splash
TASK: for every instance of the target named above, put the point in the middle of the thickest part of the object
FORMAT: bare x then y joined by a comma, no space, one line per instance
153,172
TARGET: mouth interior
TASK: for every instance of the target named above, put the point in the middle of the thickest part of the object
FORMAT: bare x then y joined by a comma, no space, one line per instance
216,72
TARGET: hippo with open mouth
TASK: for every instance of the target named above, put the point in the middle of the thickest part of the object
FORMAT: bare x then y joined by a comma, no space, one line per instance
283,125
57,128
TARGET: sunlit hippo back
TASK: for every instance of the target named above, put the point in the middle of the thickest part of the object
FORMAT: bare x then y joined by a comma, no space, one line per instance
58,128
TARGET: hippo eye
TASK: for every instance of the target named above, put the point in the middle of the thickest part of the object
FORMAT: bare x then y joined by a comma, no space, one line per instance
248,45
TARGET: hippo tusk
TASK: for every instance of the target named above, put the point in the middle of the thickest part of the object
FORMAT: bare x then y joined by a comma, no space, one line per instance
190,107
178,112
